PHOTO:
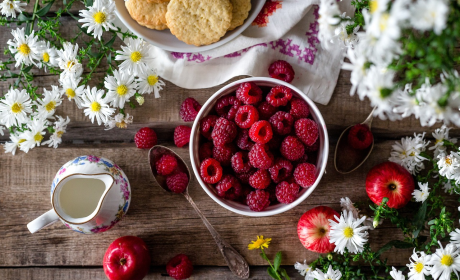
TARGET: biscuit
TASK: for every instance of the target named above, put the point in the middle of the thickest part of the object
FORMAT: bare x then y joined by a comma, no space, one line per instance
148,14
157,1
199,22
240,12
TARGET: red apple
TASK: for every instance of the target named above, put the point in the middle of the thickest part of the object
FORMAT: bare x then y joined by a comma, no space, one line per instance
313,229
390,180
127,258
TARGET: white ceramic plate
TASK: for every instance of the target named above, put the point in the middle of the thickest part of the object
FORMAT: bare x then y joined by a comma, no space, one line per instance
167,41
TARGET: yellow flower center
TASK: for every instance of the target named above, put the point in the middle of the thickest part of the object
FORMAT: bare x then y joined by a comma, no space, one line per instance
50,106
59,133
136,56
418,267
11,6
122,90
152,79
448,161
447,260
38,137
95,106
20,141
384,21
348,232
70,64
121,124
46,57
17,108
70,93
439,141
99,17
374,5
412,154
24,49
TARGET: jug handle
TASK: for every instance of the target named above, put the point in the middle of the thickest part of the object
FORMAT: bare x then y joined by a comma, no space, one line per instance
44,220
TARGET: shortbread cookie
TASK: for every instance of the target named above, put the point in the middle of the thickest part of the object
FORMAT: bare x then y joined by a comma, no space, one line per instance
150,15
240,12
199,22
157,1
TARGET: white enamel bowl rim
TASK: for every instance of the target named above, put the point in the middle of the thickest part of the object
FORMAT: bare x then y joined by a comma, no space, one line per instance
236,207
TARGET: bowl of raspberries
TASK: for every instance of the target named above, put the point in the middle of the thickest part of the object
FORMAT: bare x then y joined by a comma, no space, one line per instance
259,146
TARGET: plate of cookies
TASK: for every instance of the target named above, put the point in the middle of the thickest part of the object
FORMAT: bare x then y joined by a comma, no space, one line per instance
188,25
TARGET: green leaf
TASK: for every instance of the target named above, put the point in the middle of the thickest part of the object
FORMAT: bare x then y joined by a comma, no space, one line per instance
277,261
284,274
394,243
110,43
419,219
109,58
272,273
24,17
43,11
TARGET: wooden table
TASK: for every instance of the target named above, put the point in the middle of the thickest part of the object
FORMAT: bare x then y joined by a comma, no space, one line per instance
166,222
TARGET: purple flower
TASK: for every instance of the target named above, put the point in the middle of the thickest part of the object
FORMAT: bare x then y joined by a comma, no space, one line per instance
93,158
124,190
62,171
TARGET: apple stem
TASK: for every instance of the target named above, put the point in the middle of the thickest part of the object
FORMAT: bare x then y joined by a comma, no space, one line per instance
122,261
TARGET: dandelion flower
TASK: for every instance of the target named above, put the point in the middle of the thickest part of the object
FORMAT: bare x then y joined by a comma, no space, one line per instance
422,194
25,48
149,82
136,56
346,232
15,107
121,87
445,261
96,106
98,17
260,243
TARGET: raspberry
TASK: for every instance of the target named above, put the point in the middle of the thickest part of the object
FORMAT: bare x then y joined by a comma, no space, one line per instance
244,177
189,109
260,157
360,137
182,135
307,131
282,122
243,141
246,116
305,174
287,193
166,164
227,106
265,110
258,200
261,132
281,70
180,267
279,96
177,182
260,179
299,108
281,170
210,171
312,148
205,151
249,93
292,148
223,154
224,132
207,125
240,162
145,138
229,187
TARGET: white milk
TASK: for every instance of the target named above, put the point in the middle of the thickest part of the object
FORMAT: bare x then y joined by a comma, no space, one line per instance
79,197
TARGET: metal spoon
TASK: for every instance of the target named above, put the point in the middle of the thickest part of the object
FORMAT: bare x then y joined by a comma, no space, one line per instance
234,260
346,159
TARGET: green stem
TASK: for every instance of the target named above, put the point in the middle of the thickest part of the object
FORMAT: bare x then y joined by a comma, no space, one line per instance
276,272
34,15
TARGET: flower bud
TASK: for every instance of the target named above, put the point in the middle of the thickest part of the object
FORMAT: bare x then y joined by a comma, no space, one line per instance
329,256
375,224
140,99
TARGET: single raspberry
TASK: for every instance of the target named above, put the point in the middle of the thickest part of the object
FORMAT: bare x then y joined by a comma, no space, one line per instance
223,154
258,200
282,122
177,182
205,151
179,267
281,70
307,131
246,116
287,193
281,170
224,132
305,174
189,109
244,177
260,157
260,179
261,132
227,106
243,141
145,138
211,171
229,187
360,137
207,125
292,148
279,96
240,162
249,93
166,164
266,110
275,143
299,108
182,135
312,148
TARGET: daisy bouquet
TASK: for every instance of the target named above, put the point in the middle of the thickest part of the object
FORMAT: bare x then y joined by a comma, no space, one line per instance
37,42
402,55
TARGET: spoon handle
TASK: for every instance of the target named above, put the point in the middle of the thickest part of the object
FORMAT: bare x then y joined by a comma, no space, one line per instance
368,120
234,260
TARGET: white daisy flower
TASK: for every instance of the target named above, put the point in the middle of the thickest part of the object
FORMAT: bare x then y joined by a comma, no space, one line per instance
405,103
99,16
9,8
418,268
449,165
59,127
357,66
34,136
1,130
47,105
136,55
25,48
348,40
15,107
304,270
121,87
429,15
445,261
329,18
331,274
346,232
149,82
48,55
119,121
396,274
455,237
441,134
378,6
96,106
407,153
15,142
422,194
447,187
70,88
347,205
68,62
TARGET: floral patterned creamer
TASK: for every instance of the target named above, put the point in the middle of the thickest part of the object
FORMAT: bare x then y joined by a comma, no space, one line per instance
115,199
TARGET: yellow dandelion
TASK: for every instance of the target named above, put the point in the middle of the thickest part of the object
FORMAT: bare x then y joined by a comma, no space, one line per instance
260,243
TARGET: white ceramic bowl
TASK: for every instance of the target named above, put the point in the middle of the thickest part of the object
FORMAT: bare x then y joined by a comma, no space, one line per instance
167,41
237,207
